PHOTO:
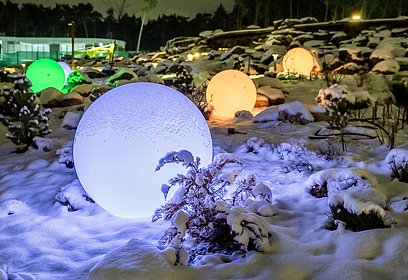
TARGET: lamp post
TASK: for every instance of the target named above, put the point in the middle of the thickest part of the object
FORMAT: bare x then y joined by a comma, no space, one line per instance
275,58
72,24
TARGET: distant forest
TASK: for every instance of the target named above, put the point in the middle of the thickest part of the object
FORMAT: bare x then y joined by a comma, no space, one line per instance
29,20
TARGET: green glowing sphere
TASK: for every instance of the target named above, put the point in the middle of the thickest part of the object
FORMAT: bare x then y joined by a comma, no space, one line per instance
45,73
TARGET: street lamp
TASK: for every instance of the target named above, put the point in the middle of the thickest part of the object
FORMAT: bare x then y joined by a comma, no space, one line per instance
72,24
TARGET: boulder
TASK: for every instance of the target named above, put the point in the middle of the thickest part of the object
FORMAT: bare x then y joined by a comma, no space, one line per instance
261,101
267,57
70,99
274,95
389,66
50,97
338,37
268,81
234,50
382,52
122,74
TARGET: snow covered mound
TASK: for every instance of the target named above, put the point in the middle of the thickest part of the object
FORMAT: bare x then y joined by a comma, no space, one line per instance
12,207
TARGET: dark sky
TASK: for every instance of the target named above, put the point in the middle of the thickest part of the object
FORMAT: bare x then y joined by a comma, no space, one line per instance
187,8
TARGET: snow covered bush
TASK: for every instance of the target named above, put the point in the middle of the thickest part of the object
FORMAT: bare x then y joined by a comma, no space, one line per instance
26,119
65,155
74,197
397,159
352,198
292,157
209,206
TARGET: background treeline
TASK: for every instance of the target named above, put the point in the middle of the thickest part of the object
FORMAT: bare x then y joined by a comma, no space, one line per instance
36,20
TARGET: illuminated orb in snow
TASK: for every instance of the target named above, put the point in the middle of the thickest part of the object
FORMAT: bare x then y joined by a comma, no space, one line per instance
123,135
67,70
45,73
230,91
298,60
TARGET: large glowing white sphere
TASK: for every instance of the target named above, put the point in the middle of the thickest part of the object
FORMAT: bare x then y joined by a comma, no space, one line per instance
230,91
67,70
123,135
298,60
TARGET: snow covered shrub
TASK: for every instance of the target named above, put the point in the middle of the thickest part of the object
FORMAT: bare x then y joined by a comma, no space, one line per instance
74,197
184,82
337,105
65,155
360,209
26,120
352,198
254,145
397,159
213,209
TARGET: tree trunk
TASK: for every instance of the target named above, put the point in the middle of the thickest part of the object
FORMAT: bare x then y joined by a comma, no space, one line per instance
326,15
267,11
140,32
85,28
290,9
400,8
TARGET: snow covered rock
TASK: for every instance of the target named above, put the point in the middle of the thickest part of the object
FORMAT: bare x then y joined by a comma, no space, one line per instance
295,112
382,52
70,99
338,37
274,95
348,68
121,75
268,81
83,89
137,259
236,50
267,115
71,120
50,97
389,66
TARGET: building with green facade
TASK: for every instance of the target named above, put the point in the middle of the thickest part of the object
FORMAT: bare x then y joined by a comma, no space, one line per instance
18,50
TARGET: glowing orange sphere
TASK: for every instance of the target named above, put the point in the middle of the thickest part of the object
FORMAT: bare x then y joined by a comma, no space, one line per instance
230,91
298,60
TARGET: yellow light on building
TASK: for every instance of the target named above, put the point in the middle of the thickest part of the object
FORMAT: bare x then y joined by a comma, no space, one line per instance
356,17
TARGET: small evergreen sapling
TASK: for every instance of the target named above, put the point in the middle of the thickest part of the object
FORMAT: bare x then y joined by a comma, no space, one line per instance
219,214
26,119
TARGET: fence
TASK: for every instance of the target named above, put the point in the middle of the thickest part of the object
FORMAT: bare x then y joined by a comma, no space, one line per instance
17,58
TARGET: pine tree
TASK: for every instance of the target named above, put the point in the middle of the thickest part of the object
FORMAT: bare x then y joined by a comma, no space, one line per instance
26,119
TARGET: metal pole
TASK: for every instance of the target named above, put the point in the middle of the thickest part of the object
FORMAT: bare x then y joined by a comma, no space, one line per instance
72,24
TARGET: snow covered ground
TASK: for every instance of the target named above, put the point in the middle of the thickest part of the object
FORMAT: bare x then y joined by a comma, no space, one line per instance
41,238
